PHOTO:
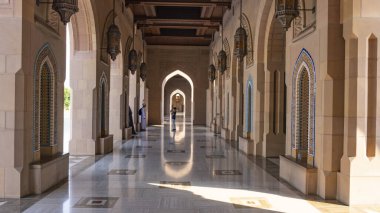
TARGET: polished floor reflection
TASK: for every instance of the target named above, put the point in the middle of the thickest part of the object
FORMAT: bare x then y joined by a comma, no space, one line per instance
189,170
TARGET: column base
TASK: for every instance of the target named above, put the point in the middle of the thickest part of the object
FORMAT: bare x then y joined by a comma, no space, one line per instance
105,145
246,146
225,133
127,134
302,177
45,174
359,181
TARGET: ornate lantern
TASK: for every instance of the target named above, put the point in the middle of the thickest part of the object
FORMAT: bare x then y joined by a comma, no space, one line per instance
143,66
240,43
113,44
132,61
240,38
286,11
211,73
222,61
65,8
113,38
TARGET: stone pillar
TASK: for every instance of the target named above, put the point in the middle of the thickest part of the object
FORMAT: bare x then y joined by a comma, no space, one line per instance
116,96
82,84
359,175
12,102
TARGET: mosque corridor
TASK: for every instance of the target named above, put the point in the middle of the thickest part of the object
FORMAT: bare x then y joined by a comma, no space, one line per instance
190,170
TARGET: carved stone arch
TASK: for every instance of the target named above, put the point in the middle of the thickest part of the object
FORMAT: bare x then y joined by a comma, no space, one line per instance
249,106
128,45
45,99
215,57
84,29
247,27
303,108
103,51
139,60
226,47
103,104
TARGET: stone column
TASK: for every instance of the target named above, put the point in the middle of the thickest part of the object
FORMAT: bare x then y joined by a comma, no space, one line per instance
360,174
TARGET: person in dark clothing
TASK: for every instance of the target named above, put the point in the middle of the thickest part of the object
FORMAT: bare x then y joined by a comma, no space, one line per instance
130,121
174,115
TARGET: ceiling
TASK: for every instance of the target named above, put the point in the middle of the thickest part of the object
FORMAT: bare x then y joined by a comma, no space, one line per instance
178,22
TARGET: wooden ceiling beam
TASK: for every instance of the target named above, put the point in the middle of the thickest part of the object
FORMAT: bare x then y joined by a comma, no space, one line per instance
181,3
178,26
161,20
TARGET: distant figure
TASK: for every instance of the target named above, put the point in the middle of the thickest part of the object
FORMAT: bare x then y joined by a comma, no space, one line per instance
142,113
130,121
173,112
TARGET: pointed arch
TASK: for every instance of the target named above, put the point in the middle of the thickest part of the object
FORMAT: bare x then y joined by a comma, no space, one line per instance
249,106
247,27
303,96
226,45
45,99
166,79
178,91
103,104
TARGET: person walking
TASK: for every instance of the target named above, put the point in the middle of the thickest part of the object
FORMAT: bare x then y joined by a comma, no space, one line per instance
142,113
174,113
130,121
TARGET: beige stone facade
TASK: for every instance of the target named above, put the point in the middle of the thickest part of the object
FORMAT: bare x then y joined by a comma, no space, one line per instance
308,96
313,95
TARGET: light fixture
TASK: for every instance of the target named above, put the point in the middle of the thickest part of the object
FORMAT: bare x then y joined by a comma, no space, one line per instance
240,38
143,66
113,37
222,57
132,57
211,73
286,11
65,8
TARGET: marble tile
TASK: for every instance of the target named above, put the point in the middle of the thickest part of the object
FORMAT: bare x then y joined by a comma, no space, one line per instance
122,172
176,163
227,172
176,151
135,156
96,202
215,156
144,178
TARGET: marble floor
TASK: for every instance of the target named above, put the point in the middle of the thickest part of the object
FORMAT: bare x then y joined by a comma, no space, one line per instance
189,170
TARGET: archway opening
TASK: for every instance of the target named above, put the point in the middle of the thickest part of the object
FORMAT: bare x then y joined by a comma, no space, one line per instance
249,109
178,100
67,93
177,80
80,80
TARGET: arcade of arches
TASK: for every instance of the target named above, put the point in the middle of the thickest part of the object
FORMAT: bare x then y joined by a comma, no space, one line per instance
290,127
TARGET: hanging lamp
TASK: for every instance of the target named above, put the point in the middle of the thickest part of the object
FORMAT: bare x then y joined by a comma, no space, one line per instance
65,8
113,37
211,73
222,57
143,66
132,57
240,37
211,68
287,10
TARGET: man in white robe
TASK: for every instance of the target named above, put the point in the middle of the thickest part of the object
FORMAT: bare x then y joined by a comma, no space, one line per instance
142,113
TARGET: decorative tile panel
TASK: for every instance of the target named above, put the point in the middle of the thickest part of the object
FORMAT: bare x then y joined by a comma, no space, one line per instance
44,99
303,104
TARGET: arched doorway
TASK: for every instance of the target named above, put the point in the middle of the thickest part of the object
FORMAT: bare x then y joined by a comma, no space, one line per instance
81,49
166,79
178,100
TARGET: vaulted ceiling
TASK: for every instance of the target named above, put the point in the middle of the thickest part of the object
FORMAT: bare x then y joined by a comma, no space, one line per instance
178,22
